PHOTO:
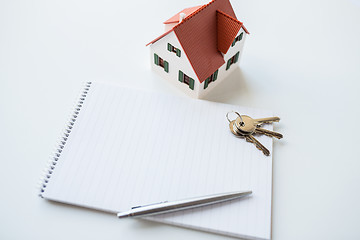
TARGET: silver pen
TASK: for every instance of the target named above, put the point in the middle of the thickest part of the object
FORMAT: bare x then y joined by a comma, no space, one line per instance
165,207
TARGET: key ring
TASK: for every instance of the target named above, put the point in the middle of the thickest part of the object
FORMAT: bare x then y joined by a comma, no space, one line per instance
227,116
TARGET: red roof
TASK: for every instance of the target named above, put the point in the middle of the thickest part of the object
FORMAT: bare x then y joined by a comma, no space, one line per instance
176,17
205,33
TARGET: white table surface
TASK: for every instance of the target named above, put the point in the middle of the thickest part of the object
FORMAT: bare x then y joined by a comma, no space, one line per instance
301,60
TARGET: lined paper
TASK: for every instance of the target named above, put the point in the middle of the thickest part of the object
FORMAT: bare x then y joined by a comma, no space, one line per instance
130,147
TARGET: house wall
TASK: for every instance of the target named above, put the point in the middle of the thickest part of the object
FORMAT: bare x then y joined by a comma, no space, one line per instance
223,73
175,64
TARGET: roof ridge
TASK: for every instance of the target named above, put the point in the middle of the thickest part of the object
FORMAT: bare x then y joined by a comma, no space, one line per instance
185,10
194,13
228,16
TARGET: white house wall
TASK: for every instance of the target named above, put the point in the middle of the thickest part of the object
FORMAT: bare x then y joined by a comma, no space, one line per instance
175,64
223,73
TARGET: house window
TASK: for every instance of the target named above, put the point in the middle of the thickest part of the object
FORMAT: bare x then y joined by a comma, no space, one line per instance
232,60
186,79
210,79
161,62
171,48
237,39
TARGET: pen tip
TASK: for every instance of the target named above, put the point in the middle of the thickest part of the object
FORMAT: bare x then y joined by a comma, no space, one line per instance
122,215
246,193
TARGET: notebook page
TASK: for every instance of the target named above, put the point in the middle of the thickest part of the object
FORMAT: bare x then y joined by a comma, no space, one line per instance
130,148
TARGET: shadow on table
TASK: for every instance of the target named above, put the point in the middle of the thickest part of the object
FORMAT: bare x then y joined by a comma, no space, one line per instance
232,88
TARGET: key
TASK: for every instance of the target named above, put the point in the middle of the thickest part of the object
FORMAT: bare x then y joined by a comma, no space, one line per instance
245,126
260,121
248,124
268,133
248,137
234,129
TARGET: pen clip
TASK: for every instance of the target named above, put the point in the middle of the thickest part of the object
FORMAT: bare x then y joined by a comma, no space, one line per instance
148,205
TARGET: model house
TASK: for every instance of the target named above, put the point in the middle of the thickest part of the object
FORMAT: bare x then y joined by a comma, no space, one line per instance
199,48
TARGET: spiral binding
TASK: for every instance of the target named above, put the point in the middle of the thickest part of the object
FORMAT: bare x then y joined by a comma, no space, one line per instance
62,141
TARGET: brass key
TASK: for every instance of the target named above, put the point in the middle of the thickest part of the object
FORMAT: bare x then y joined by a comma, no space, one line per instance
248,125
268,133
260,121
245,126
249,138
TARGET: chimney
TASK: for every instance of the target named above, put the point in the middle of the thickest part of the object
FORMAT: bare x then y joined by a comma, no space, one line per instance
181,17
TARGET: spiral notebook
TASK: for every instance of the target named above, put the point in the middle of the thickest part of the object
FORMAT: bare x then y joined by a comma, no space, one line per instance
125,147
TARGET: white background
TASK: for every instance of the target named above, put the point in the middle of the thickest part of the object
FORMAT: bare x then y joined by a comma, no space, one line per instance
301,60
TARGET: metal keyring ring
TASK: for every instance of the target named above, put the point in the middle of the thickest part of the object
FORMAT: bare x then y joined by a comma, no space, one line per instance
227,116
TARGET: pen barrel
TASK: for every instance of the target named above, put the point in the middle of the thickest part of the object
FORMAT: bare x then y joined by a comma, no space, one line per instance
167,207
